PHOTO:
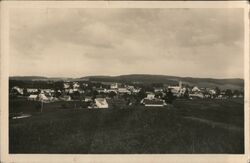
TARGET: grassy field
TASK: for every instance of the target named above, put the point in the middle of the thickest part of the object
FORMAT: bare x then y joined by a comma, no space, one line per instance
189,126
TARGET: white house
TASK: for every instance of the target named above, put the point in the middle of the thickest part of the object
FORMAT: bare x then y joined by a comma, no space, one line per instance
241,96
176,89
158,89
19,90
112,90
196,89
32,90
32,97
76,85
212,92
182,91
124,90
101,90
65,98
42,97
81,91
75,90
85,84
199,95
88,99
114,86
69,90
130,87
136,90
46,90
153,103
150,96
101,103
66,85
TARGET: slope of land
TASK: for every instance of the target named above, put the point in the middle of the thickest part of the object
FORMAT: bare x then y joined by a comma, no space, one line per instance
216,126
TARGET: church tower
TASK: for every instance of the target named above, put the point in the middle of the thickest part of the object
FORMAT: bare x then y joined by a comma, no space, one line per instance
180,84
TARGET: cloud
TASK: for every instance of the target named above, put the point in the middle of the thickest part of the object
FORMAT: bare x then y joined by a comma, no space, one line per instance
121,41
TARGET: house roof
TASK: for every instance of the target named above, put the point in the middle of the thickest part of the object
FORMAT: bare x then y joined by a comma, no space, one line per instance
102,101
32,96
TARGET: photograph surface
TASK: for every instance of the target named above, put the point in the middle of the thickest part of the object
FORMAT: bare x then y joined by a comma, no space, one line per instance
126,81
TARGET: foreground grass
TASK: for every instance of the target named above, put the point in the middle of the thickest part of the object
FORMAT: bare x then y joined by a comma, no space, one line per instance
134,130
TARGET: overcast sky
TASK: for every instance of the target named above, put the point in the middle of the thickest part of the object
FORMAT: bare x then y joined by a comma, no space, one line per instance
82,42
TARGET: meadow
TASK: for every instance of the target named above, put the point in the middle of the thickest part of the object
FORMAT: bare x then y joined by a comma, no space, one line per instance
188,126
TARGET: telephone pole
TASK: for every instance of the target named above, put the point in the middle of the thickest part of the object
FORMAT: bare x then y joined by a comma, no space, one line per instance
41,106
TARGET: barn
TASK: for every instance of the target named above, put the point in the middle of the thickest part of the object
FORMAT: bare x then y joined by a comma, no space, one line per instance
101,103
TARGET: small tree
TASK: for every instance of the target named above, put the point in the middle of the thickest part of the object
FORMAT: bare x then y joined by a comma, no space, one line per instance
25,92
75,95
169,98
57,93
141,94
158,94
217,91
112,94
229,93
186,93
236,92
58,85
94,94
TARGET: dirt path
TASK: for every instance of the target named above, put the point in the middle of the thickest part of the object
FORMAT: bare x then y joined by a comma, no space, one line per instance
214,124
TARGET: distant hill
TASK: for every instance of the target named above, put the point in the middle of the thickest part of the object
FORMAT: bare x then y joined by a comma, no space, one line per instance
233,83
37,78
28,78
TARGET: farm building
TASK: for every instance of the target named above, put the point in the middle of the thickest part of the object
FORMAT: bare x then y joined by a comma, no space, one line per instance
150,96
196,89
88,99
32,90
84,84
17,89
196,95
101,103
47,90
76,85
130,87
174,89
66,85
153,103
114,86
177,90
158,89
124,90
136,90
42,97
212,91
101,90
112,90
65,98
69,91
32,97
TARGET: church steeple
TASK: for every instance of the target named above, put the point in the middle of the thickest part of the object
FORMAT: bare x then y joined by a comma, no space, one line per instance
180,84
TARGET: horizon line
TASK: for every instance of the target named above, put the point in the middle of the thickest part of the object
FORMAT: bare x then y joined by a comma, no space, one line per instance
126,75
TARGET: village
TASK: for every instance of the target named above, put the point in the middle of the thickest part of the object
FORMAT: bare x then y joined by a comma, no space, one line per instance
118,95
147,79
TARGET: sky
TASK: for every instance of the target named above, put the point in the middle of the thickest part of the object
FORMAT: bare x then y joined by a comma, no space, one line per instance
82,42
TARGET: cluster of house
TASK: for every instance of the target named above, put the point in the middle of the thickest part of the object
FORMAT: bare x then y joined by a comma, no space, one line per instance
153,98
152,101
119,89
196,92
